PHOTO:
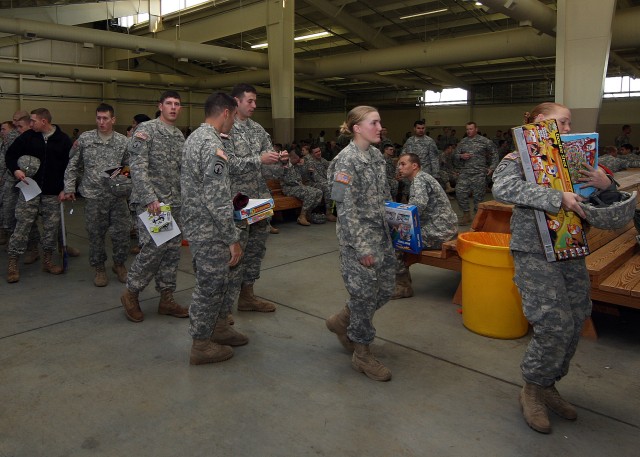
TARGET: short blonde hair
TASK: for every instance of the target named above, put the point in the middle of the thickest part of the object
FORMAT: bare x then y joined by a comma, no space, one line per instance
543,108
355,116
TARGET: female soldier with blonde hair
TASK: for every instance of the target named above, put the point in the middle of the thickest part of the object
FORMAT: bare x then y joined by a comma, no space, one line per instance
367,262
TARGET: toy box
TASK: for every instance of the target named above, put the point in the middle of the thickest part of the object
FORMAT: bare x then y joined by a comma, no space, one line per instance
255,206
404,226
580,148
545,163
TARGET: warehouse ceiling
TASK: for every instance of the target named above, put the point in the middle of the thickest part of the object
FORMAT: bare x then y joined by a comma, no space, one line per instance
351,27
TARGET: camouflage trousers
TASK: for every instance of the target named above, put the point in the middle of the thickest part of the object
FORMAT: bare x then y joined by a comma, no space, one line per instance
555,301
369,289
394,187
210,260
109,213
254,251
9,200
326,194
471,184
159,262
236,273
310,196
26,214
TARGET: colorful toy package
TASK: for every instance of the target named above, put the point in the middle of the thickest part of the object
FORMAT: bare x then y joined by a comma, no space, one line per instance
404,226
545,163
580,148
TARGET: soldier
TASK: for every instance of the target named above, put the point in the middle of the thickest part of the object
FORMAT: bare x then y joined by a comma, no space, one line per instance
317,167
213,237
623,138
389,152
367,260
249,148
478,157
7,135
558,309
155,153
424,147
93,153
438,221
47,144
293,186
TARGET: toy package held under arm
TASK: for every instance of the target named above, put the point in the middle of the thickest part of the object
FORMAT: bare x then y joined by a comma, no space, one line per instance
545,163
580,149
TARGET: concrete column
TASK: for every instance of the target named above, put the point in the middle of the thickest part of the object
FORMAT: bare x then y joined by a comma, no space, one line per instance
280,22
582,53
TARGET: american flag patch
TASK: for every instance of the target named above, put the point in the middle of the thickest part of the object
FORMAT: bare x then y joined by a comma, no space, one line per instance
342,177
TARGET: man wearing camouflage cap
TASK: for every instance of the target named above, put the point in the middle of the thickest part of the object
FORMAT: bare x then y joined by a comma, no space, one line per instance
44,140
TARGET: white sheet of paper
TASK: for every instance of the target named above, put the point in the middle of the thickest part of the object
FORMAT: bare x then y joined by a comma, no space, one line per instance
161,237
30,191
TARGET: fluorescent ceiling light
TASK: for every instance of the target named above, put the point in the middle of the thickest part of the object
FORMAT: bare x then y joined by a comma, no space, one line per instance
311,36
442,10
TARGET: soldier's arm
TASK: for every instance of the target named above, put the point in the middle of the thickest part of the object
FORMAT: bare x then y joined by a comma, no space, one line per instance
72,172
419,195
509,186
493,155
217,195
139,150
434,157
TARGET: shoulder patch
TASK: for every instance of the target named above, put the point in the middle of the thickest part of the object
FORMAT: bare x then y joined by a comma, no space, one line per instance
512,156
142,135
343,178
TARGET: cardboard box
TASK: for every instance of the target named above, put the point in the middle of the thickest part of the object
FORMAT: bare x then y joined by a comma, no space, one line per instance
404,226
580,148
255,206
545,163
260,216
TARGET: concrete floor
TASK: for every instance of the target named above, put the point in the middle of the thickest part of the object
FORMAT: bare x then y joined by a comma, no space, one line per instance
78,379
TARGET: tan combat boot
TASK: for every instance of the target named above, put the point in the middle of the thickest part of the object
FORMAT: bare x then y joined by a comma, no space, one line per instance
49,266
338,324
302,219
169,307
131,306
224,334
534,409
32,254
331,217
100,279
249,302
364,362
403,286
559,405
121,272
206,351
13,273
466,218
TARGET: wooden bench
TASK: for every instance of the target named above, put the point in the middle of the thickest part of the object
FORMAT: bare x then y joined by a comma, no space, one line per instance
281,202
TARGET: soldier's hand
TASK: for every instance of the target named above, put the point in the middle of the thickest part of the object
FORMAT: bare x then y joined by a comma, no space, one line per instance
367,260
19,174
570,203
269,158
67,196
154,207
284,156
466,155
236,254
595,177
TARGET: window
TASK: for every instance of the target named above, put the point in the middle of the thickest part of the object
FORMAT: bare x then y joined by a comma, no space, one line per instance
621,87
166,7
455,96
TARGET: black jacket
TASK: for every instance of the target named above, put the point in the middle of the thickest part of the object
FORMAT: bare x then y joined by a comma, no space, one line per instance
53,155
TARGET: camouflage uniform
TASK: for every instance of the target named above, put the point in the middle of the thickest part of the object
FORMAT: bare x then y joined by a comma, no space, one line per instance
292,186
208,225
50,178
391,177
155,154
438,221
555,295
248,140
473,172
360,188
426,149
622,140
619,163
7,181
90,157
317,172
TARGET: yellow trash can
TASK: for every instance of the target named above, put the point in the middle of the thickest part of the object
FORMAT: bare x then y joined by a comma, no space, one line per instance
491,304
